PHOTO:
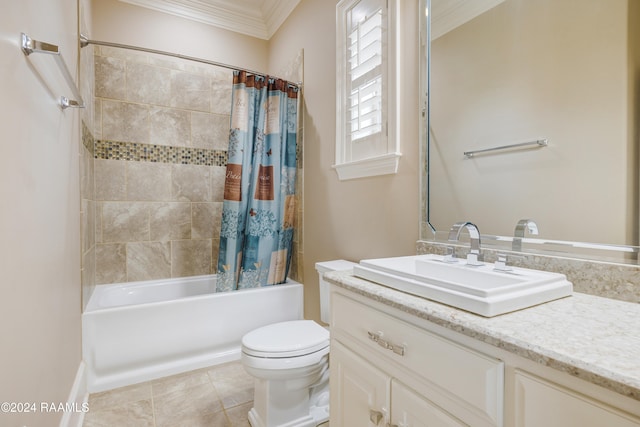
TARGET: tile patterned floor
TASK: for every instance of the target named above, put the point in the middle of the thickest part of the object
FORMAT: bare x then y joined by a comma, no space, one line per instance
220,396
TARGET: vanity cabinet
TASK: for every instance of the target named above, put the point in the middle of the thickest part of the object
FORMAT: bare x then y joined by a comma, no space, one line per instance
392,369
387,372
366,396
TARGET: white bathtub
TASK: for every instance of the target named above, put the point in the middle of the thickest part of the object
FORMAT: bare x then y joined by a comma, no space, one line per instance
139,331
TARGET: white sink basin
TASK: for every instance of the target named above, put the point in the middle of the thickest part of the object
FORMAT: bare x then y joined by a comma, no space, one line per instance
478,289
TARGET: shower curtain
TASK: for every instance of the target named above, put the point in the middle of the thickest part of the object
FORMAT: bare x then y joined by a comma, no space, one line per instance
259,205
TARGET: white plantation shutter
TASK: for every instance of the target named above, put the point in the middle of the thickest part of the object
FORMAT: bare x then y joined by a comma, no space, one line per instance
365,74
365,77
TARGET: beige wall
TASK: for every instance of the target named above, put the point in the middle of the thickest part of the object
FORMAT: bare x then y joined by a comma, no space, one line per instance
559,71
362,218
40,214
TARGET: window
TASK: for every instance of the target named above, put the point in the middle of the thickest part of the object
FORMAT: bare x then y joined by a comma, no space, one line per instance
366,141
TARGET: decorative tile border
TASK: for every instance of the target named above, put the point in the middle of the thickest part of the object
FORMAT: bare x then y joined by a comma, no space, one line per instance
115,150
87,138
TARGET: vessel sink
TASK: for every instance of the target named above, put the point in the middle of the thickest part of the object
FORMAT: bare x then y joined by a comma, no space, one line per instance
478,289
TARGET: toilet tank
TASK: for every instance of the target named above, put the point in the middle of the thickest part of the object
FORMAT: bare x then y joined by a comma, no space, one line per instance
321,268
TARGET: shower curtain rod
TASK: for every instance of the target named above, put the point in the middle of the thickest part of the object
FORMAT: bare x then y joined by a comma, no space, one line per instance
84,42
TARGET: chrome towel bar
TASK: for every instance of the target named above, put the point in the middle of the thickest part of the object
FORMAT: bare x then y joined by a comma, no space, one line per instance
538,143
30,46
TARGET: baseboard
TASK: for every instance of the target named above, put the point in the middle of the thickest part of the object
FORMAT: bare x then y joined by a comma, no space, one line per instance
77,404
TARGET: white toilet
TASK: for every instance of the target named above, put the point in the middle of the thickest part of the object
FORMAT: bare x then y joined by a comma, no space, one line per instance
290,364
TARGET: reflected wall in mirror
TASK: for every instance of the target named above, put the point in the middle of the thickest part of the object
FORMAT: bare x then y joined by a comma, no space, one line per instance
563,70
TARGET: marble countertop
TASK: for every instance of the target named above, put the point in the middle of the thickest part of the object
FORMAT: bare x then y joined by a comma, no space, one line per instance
593,338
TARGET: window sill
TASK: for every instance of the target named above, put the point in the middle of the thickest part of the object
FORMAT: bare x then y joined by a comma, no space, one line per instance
373,166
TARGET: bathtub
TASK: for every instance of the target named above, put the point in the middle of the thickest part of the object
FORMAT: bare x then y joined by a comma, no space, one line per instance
140,331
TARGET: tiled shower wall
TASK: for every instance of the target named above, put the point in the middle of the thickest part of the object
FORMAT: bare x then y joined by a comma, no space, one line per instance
161,129
157,143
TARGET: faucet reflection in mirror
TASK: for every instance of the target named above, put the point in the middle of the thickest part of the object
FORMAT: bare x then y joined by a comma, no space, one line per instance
521,226
473,257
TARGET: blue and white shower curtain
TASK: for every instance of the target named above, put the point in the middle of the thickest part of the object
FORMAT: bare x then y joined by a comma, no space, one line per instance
259,204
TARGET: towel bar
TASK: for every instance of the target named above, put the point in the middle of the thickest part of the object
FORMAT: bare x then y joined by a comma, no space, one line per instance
538,142
30,46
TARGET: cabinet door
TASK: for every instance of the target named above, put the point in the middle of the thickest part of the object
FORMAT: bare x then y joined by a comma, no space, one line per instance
408,409
542,403
359,391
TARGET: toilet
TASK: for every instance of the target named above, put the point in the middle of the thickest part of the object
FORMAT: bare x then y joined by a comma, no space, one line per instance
290,364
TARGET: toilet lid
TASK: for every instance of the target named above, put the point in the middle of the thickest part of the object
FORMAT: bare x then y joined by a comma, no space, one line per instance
286,339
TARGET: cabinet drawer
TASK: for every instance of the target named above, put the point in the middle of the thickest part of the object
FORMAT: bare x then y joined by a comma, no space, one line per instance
467,377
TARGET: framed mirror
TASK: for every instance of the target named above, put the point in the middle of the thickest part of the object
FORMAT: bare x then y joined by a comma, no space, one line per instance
504,73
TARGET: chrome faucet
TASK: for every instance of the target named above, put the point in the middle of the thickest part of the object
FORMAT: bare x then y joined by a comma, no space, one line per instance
523,224
473,257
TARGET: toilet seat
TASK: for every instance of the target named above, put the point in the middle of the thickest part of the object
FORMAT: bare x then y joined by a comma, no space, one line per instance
286,339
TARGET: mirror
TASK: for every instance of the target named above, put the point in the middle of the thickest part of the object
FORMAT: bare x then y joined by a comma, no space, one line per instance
506,72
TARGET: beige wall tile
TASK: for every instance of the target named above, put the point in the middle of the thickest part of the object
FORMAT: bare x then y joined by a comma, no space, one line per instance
170,221
148,181
111,179
221,124
86,84
190,91
110,77
221,90
148,260
122,121
148,84
218,174
125,222
88,275
166,62
170,126
202,129
98,222
88,224
174,103
190,257
191,183
87,185
206,219
215,250
97,118
126,54
111,266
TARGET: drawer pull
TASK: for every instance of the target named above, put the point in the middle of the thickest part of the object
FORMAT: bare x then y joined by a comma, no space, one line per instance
374,336
375,416
398,349
377,337
384,344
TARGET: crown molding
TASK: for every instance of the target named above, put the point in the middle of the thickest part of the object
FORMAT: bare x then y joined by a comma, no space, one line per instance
447,15
238,16
275,12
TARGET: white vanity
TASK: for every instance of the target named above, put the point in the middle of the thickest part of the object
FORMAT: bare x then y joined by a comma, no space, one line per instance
401,360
